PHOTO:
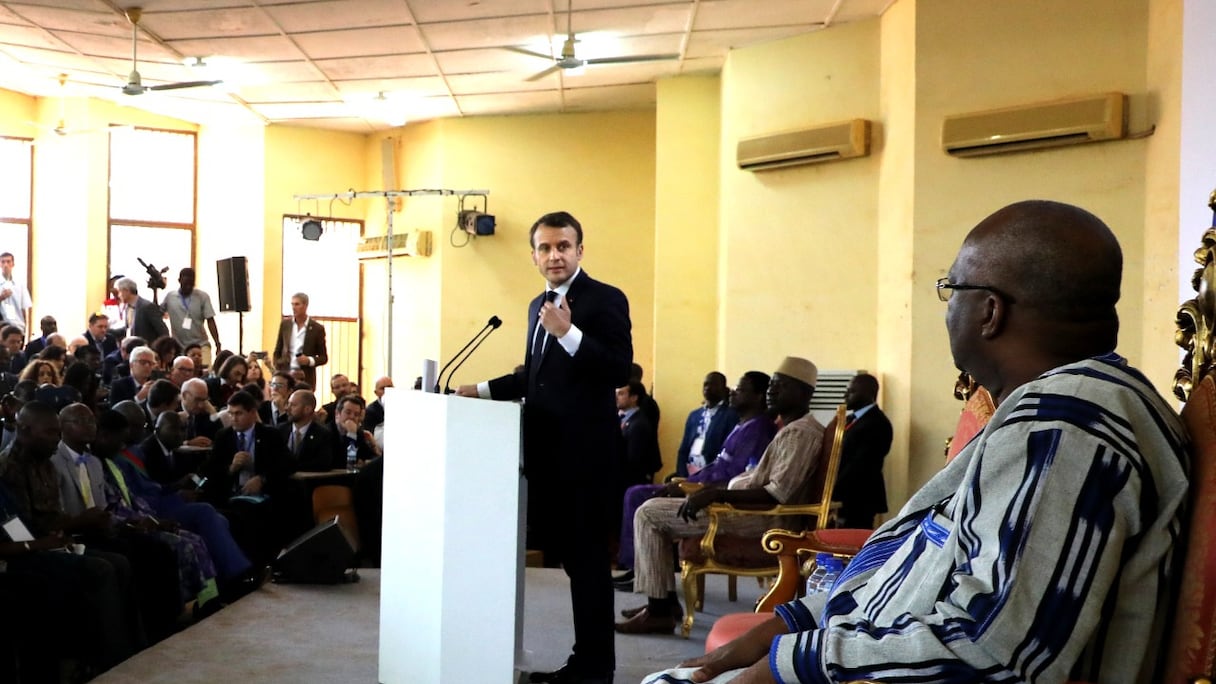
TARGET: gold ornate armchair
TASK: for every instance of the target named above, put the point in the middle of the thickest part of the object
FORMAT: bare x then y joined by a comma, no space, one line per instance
742,555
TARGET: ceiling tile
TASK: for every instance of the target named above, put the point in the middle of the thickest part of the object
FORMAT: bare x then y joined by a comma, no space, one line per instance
112,46
298,71
497,82
250,49
706,43
83,5
432,11
488,61
387,40
277,111
701,65
316,91
610,97
206,23
419,87
618,74
510,103
104,20
339,14
734,14
631,20
480,33
30,36
389,66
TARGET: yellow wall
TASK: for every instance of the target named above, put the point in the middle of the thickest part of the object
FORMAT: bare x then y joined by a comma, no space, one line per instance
599,167
798,245
303,161
688,117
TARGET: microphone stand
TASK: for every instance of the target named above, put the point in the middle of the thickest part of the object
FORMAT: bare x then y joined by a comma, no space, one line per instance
489,324
447,387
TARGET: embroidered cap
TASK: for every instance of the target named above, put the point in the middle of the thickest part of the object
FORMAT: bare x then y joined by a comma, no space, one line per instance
799,369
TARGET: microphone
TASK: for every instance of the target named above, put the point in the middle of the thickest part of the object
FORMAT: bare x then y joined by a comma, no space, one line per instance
494,322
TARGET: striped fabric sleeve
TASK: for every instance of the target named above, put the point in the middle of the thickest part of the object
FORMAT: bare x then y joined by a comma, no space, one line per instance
1009,578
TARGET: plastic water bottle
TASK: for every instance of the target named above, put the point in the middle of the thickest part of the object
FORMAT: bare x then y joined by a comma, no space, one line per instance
352,455
827,569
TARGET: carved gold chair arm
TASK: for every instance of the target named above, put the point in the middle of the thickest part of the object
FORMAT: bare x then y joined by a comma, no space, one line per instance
720,511
690,488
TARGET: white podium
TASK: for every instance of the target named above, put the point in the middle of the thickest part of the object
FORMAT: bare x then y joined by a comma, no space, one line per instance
451,577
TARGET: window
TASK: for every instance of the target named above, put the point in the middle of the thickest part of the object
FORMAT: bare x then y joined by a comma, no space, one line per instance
327,270
16,201
152,202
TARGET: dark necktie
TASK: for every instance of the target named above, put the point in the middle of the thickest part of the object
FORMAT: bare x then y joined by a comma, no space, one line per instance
541,341
240,441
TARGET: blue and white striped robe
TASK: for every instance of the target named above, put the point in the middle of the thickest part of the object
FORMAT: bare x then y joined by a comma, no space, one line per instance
1044,552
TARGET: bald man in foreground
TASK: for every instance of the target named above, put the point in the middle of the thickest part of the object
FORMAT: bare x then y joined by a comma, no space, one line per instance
1044,552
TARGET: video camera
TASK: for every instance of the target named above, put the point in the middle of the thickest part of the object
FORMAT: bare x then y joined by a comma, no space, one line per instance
156,278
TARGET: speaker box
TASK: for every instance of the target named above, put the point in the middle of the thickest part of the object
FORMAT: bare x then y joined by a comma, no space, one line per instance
319,556
234,284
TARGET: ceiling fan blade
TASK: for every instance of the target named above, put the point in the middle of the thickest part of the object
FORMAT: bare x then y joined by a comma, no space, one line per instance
530,53
635,58
183,84
546,72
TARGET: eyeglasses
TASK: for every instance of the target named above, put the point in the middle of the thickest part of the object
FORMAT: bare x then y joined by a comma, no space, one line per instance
945,289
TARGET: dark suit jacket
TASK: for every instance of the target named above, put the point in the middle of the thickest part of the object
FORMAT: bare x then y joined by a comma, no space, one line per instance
317,451
201,425
859,484
36,345
271,461
122,389
314,346
147,322
161,466
719,427
363,449
571,430
266,412
373,416
641,455
109,345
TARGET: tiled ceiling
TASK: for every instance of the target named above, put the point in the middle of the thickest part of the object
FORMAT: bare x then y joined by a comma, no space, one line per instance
363,65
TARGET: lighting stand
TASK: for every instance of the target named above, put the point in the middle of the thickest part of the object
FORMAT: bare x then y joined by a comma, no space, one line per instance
389,196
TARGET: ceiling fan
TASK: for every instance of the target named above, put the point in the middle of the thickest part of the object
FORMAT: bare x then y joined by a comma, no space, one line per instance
135,85
569,58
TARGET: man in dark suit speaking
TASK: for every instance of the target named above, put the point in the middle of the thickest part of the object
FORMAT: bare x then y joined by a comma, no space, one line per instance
578,350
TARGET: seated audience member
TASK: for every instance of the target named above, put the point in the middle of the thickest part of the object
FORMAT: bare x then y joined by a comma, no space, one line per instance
273,411
76,343
12,338
648,405
181,370
166,349
164,397
81,378
114,428
138,383
156,560
256,374
48,325
118,364
195,352
41,373
743,447
200,415
783,475
246,473
860,488
1045,550
373,417
339,385
220,357
311,444
55,354
348,430
706,427
98,335
89,356
228,381
73,607
640,438
195,570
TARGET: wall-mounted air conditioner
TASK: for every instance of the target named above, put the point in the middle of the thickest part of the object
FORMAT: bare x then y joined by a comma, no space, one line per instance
806,146
1030,127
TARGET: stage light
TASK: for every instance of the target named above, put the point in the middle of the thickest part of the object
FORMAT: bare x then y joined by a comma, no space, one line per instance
311,230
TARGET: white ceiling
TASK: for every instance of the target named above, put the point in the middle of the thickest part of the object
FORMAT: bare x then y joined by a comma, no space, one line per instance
325,63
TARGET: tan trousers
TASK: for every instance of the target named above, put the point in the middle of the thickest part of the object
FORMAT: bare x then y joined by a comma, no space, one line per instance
656,526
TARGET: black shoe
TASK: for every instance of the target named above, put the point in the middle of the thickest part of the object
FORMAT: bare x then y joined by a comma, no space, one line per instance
246,583
677,610
626,586
626,576
566,675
